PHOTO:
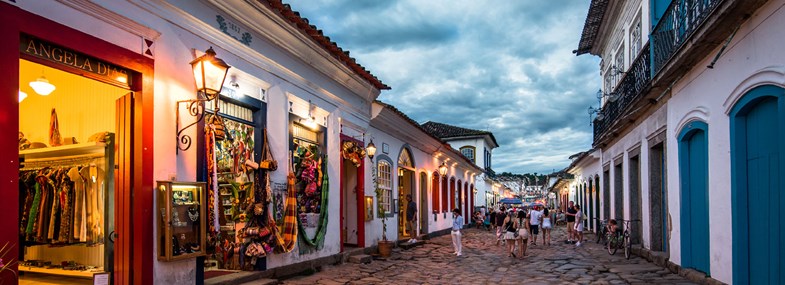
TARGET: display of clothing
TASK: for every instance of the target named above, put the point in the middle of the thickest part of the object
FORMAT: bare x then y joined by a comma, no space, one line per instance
62,205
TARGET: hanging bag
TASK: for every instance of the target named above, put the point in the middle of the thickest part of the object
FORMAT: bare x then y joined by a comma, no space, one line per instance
268,161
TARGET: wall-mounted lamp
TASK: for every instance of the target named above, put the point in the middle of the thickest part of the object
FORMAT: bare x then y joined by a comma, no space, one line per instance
22,96
443,169
370,149
209,74
310,122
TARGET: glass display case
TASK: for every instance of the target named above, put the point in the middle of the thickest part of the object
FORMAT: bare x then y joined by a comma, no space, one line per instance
181,220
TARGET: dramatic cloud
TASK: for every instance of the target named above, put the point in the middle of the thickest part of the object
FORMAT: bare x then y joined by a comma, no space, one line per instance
502,66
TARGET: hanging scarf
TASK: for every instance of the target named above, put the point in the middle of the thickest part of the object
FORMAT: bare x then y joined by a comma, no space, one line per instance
54,130
318,240
212,180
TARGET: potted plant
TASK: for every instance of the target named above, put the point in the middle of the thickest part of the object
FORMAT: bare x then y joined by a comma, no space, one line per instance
384,245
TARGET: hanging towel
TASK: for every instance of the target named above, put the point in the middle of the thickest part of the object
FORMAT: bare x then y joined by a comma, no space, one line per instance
54,130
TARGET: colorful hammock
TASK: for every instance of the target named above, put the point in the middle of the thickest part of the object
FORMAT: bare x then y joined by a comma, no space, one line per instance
286,235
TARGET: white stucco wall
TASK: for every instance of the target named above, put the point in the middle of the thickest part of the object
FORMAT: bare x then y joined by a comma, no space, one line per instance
281,74
704,94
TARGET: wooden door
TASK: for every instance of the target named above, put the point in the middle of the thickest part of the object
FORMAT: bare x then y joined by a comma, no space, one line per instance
693,166
122,249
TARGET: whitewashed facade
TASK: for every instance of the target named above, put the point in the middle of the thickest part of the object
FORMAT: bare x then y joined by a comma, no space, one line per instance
677,135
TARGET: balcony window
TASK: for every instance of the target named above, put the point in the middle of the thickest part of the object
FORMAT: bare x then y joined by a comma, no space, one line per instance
635,37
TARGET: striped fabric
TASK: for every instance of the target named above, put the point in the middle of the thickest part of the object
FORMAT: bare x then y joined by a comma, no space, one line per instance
286,236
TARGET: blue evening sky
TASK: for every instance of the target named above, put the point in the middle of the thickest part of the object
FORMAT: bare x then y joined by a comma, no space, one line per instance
502,66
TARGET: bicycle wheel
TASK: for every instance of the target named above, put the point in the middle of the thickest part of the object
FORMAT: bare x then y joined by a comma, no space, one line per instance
600,235
627,246
612,245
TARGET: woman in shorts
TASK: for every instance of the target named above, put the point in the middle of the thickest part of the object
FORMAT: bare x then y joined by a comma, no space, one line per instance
579,225
509,227
546,227
523,233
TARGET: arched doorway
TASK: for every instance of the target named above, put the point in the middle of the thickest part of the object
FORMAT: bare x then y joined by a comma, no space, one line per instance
423,211
694,179
406,194
756,129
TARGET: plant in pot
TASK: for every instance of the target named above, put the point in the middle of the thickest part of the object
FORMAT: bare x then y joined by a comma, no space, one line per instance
385,246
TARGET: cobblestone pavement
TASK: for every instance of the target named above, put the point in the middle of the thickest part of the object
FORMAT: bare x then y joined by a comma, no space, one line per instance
483,262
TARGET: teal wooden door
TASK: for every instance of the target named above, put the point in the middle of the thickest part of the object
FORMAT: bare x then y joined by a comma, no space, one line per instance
756,131
694,174
762,166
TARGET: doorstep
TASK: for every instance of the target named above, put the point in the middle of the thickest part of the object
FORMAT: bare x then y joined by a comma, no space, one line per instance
241,277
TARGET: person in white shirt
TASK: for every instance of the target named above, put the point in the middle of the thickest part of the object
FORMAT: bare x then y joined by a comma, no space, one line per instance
578,225
457,225
535,217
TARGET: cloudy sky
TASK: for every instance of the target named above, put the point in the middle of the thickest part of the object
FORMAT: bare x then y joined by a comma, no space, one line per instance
498,65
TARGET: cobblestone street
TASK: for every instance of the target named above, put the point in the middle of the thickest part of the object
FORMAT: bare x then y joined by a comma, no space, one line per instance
483,262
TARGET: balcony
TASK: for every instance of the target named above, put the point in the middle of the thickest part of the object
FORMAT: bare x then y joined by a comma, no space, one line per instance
688,32
678,23
635,83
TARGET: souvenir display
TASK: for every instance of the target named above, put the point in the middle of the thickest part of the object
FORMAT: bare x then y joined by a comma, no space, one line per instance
182,233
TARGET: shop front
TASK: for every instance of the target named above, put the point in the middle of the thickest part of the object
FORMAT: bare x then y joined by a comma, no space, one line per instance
81,165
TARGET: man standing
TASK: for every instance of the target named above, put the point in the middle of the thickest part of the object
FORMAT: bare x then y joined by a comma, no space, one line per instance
534,223
457,224
571,223
411,217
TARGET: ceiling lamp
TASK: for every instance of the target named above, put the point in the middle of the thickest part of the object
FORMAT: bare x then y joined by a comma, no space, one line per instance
22,96
42,86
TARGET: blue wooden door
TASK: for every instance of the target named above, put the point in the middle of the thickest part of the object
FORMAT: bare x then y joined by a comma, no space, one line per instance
757,199
764,203
693,164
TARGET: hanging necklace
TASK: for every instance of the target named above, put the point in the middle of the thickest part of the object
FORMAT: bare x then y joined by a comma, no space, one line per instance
193,214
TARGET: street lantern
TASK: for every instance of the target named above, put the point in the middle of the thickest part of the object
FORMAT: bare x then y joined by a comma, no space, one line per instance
371,149
443,169
209,73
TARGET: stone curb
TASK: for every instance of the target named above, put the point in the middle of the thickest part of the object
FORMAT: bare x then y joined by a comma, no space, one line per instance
662,259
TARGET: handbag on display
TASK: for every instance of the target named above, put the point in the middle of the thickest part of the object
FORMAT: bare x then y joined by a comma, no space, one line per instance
268,161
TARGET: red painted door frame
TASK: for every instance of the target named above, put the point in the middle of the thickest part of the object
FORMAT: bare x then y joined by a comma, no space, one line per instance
135,241
360,195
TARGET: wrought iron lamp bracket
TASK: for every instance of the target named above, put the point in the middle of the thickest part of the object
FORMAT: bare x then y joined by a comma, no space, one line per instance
196,109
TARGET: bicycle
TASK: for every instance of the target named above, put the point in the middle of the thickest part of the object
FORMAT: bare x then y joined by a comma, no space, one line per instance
602,234
620,240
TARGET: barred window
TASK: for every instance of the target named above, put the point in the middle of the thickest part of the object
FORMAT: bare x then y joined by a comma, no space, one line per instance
385,184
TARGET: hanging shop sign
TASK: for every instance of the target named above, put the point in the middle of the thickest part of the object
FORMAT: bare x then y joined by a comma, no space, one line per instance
92,67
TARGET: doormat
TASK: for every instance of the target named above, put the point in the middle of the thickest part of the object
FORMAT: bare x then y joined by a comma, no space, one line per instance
215,273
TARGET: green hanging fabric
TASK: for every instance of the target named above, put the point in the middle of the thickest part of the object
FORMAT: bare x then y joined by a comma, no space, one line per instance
308,245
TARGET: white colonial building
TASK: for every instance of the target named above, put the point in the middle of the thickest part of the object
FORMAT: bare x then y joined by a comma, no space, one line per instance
478,147
690,133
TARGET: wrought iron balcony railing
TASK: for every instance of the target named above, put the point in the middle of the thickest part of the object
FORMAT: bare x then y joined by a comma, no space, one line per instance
678,23
629,91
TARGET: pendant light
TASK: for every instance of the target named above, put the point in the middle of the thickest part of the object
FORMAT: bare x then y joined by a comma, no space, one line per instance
42,86
22,96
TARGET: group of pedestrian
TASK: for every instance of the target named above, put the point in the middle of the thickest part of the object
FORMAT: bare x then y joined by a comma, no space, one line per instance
517,228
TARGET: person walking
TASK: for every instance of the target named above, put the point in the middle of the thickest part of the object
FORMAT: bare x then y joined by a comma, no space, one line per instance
457,225
411,217
535,217
523,233
510,228
578,225
571,223
500,216
547,226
